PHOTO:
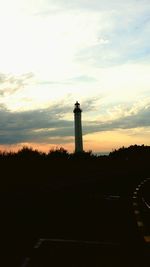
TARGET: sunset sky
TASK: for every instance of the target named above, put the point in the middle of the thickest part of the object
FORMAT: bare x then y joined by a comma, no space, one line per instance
54,52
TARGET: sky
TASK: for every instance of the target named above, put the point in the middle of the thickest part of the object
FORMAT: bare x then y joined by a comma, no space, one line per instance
55,52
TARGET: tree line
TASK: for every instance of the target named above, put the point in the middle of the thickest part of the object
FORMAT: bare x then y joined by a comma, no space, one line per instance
133,151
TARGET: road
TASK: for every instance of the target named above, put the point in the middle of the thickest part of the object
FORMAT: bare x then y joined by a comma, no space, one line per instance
104,234
141,205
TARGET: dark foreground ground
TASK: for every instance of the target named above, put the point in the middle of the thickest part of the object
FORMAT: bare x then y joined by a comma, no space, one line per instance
82,212
72,229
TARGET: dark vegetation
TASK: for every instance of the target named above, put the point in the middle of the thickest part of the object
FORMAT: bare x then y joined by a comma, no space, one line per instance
58,170
39,190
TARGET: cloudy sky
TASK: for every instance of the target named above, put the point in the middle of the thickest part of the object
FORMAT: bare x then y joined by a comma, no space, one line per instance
54,52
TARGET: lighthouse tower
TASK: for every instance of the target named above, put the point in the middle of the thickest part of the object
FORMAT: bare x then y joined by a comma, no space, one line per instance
78,128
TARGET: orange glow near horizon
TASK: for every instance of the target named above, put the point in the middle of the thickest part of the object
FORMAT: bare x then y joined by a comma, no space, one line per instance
110,140
40,147
97,142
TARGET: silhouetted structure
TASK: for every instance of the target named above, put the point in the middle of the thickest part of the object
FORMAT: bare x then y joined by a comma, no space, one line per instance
78,128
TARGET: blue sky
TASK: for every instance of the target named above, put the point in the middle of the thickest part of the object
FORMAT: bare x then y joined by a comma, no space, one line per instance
56,52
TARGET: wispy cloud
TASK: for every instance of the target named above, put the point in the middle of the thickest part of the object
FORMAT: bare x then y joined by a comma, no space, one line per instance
9,83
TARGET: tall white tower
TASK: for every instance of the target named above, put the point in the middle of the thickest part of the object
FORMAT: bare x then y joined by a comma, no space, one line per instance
78,128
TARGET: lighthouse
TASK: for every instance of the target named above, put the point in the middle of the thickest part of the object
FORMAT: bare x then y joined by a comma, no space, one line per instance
78,128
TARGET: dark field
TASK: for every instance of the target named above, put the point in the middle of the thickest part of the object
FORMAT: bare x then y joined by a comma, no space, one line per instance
72,197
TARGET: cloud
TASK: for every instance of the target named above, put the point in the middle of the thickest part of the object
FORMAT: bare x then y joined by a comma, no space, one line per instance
47,125
123,33
79,48
70,81
95,5
83,78
33,126
135,120
43,125
9,84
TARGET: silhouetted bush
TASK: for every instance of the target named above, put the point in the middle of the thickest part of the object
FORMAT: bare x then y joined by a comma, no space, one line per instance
133,151
58,169
58,153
